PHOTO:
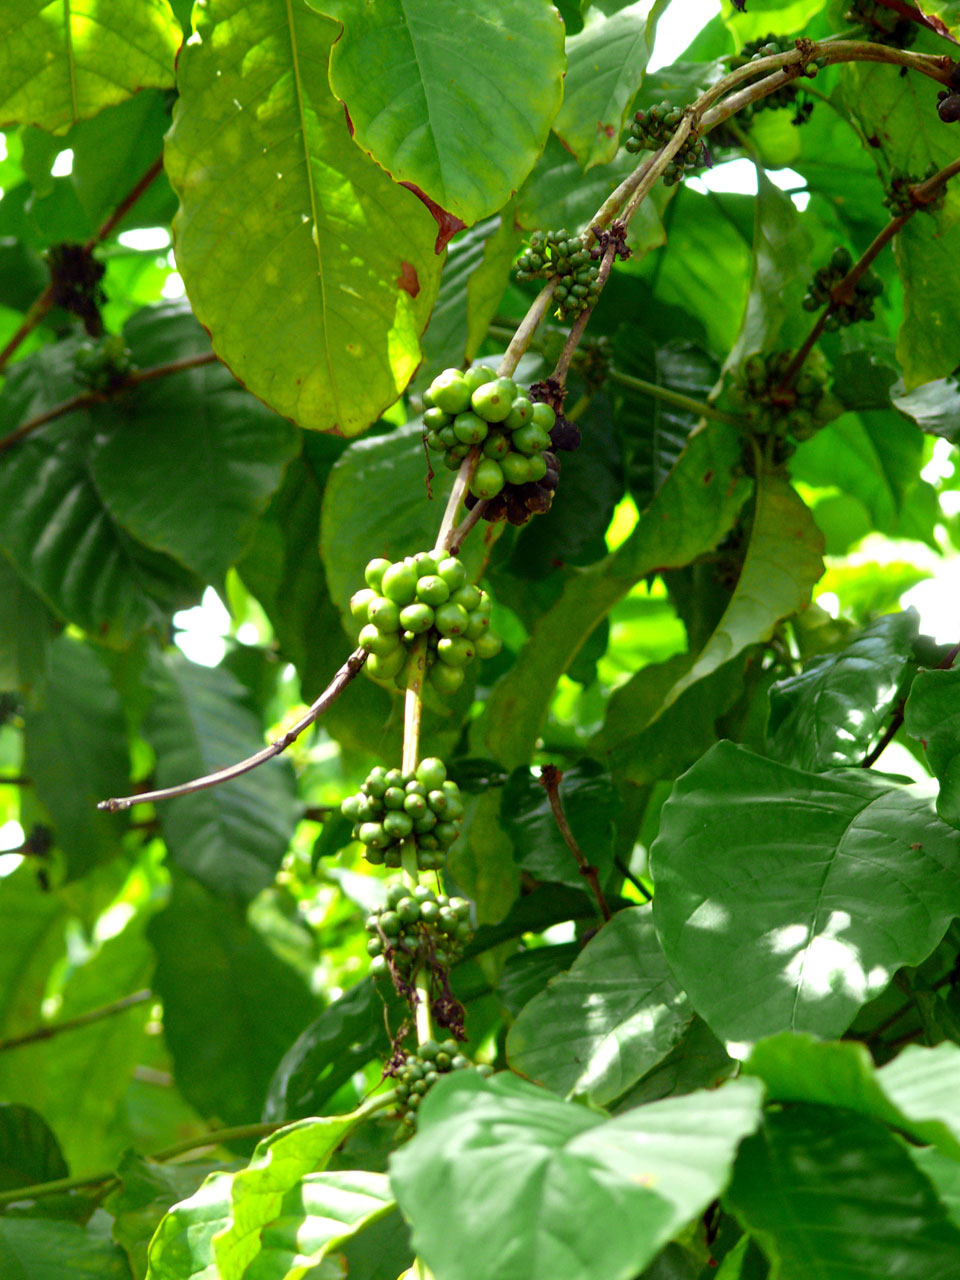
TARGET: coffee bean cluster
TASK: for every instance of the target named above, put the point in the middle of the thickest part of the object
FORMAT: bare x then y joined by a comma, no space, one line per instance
770,409
559,253
417,928
653,128
423,595
478,408
419,1071
820,292
394,807
788,95
898,198
104,365
884,26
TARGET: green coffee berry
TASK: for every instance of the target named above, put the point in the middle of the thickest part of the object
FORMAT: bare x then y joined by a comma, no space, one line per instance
493,401
487,479
400,583
373,574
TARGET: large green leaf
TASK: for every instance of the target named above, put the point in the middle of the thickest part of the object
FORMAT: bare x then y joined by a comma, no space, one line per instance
182,1248
26,628
231,837
230,1007
779,572
692,511
501,1171
462,98
146,1191
32,924
29,1151
60,63
257,1192
916,1093
313,272
770,883
590,804
833,1194
606,62
76,752
445,341
834,710
932,714
597,1029
318,1216
39,1249
927,251
55,524
934,406
213,453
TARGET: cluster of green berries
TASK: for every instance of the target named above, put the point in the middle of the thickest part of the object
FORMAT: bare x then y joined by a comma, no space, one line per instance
104,365
419,1071
898,198
478,408
788,95
559,253
820,292
423,595
416,929
653,128
392,807
884,26
769,408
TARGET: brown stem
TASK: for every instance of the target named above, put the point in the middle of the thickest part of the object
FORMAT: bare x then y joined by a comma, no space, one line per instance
473,517
17,780
45,301
344,676
86,398
550,777
81,1020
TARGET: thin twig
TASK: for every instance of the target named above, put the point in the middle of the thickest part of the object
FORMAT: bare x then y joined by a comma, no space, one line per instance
457,495
16,781
896,721
550,777
637,883
44,302
346,673
526,329
86,398
473,517
81,1020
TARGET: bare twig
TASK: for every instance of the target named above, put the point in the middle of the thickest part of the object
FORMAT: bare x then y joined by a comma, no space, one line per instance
550,777
72,1024
87,398
627,874
347,672
473,517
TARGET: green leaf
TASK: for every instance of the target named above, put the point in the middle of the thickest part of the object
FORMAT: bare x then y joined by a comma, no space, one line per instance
932,714
697,1061
487,283
468,139
690,514
526,973
769,883
597,1029
314,274
26,628
29,1151
606,62
41,1249
835,709
358,522
322,1213
230,1007
782,246
830,1193
934,407
590,803
445,341
779,572
257,1193
59,532
32,924
146,1191
504,1152
944,1173
212,452
926,250
231,837
76,752
182,1248
59,65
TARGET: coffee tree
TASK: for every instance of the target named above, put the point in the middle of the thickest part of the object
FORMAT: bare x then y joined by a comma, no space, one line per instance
522,893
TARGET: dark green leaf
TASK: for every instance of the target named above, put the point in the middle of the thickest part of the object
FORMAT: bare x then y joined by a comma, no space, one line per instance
230,1007
230,837
933,715
590,804
504,1152
526,973
29,1151
26,628
597,1029
147,1190
39,1249
841,850
697,1061
834,710
830,1193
